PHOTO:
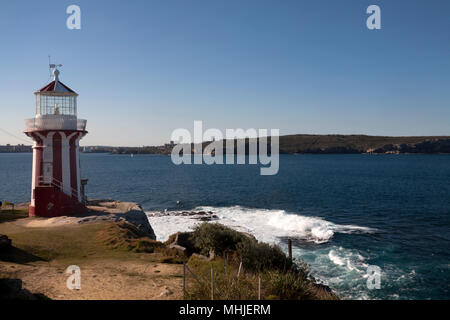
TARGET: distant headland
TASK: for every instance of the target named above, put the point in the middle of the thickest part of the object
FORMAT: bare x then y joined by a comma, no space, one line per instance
301,144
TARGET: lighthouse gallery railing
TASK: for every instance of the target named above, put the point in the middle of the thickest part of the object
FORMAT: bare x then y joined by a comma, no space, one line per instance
56,122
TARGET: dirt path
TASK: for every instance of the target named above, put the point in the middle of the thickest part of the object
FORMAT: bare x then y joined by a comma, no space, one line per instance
44,248
104,279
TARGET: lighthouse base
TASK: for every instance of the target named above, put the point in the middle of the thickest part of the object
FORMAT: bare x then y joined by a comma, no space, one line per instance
52,202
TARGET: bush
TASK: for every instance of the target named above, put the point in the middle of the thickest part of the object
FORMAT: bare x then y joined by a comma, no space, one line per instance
287,286
216,237
259,257
256,256
281,278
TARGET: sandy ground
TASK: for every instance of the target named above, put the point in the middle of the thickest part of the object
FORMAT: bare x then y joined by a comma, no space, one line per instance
104,279
105,273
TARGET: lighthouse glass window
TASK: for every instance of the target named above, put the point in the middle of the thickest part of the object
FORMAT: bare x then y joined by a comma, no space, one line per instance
56,105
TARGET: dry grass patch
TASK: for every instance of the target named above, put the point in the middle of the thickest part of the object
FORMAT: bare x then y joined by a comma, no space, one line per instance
125,236
11,215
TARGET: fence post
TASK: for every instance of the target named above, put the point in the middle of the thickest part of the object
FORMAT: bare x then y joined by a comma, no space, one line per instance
239,271
290,249
224,264
212,283
259,288
184,279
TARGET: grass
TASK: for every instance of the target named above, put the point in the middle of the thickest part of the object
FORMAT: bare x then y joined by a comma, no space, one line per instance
125,236
107,250
11,215
280,277
275,284
108,241
85,242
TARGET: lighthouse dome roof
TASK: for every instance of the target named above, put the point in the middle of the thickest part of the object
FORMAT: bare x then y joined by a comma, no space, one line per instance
56,87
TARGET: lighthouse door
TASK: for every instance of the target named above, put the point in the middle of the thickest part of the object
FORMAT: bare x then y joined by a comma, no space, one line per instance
48,171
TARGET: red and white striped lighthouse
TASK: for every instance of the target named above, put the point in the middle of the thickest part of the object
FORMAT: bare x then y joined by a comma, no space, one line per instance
56,188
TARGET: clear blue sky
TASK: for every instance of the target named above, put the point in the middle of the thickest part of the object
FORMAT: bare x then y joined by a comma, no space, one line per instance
145,68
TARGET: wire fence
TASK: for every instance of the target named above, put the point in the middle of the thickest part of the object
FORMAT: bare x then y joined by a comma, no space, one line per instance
217,282
229,276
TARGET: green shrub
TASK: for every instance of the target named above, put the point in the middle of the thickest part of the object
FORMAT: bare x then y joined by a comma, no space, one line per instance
216,237
287,286
259,257
281,278
256,256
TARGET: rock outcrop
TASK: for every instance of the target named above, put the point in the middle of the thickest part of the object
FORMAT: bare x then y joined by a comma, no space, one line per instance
426,147
5,243
12,289
102,211
121,211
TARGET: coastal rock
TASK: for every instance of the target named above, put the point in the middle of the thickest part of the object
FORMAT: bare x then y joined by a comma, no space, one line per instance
102,211
248,235
177,247
5,243
12,289
200,256
182,240
323,291
121,211
207,218
431,146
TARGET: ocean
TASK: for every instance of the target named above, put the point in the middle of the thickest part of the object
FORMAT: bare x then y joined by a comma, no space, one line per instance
344,213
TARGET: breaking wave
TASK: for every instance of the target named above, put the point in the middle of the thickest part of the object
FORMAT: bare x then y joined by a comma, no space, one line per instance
266,225
332,265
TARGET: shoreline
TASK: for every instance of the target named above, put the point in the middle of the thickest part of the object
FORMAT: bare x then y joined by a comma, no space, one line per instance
298,144
114,237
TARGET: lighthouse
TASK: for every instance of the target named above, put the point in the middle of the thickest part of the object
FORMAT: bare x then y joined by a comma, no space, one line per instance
56,186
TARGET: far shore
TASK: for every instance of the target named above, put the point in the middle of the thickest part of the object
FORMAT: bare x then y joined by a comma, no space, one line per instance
299,144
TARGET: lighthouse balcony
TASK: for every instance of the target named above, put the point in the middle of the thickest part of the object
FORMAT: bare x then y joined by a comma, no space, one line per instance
55,122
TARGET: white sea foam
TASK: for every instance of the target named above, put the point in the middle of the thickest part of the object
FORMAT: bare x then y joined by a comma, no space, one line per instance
352,261
332,265
335,258
266,225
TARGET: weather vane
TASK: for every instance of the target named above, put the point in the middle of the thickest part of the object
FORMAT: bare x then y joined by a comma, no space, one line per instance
53,66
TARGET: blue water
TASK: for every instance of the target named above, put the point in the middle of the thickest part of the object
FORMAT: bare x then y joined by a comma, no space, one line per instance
392,211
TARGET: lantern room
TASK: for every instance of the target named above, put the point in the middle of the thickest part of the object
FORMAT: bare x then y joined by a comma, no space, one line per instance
56,108
56,99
